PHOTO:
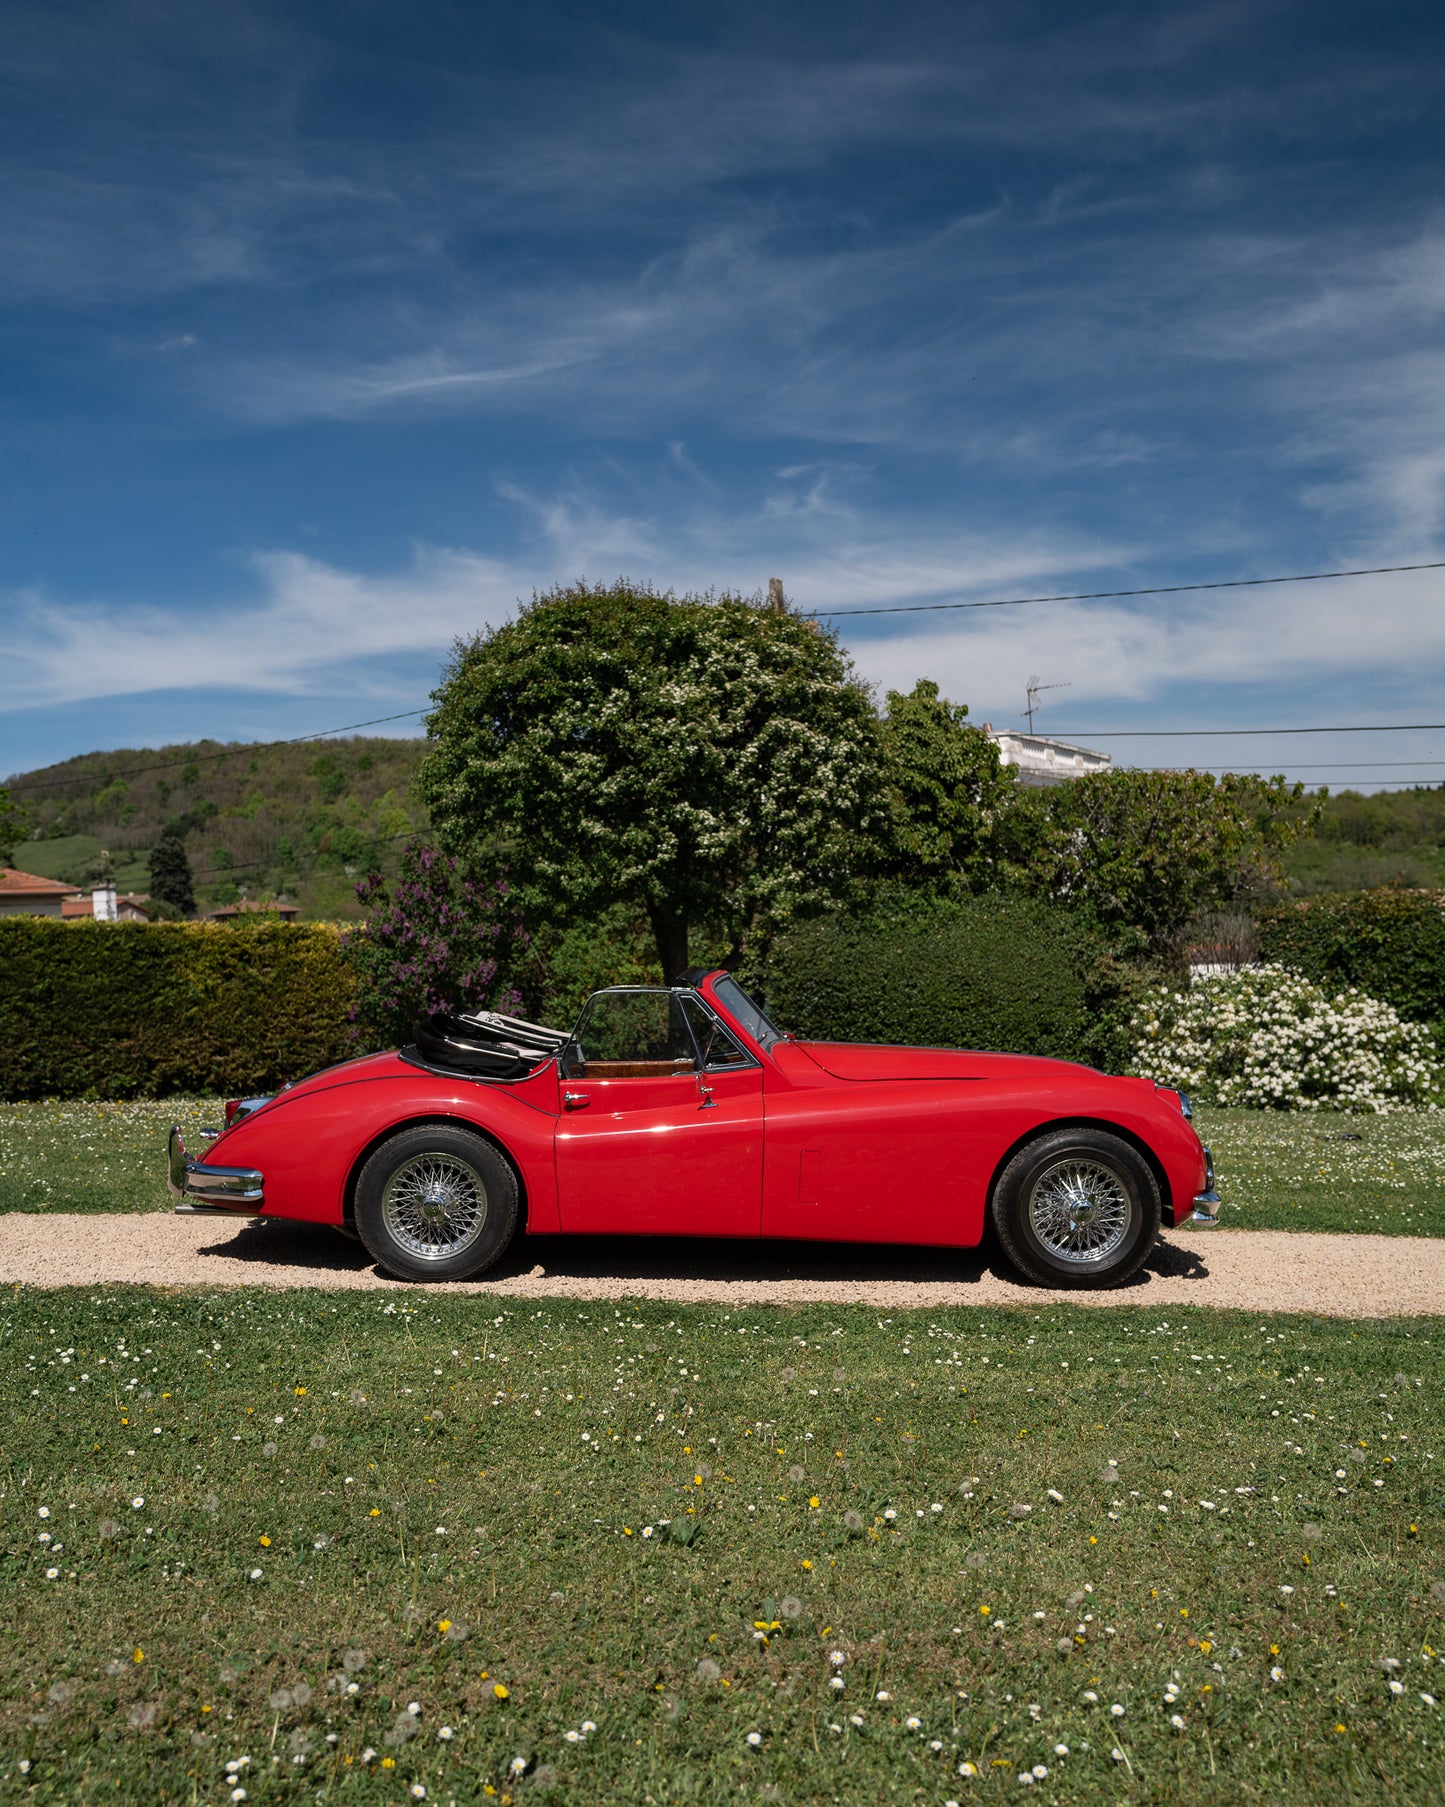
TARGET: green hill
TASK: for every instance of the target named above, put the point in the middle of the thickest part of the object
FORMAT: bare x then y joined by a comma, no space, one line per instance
305,820
301,821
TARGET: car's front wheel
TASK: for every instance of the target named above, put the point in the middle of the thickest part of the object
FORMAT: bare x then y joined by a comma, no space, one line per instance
436,1203
1077,1208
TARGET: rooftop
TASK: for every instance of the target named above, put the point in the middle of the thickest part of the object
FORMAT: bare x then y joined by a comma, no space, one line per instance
14,883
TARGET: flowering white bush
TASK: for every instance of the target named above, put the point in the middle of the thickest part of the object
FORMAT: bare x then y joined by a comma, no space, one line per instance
1262,1036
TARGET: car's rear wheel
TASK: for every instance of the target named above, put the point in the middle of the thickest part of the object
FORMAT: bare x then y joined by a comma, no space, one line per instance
436,1203
1077,1208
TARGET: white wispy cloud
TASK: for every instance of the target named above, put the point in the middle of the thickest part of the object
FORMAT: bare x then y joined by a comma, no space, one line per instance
309,627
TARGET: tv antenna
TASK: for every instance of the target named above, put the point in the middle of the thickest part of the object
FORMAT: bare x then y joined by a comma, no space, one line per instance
1032,692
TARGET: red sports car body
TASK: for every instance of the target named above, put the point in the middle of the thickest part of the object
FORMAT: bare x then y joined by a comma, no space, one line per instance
682,1111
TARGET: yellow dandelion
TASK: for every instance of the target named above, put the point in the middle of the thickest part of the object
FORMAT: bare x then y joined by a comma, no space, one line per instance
444,1624
501,1692
806,1563
137,1655
300,1392
814,1502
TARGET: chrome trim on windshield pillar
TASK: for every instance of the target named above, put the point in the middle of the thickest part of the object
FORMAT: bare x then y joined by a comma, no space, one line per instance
224,1189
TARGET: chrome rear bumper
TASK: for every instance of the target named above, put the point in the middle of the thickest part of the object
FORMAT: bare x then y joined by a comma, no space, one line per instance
206,1191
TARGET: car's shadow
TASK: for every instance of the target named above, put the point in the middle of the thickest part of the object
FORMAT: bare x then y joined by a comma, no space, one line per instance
274,1242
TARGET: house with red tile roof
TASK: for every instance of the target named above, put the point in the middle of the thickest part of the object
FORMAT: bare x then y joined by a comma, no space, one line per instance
128,908
25,894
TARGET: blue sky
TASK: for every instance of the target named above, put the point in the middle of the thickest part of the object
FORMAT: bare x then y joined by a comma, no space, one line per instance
329,331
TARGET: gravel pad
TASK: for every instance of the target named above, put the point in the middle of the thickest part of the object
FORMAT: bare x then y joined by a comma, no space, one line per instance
1252,1270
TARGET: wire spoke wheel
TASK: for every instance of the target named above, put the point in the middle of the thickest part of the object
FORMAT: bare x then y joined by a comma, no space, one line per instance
435,1205
1080,1210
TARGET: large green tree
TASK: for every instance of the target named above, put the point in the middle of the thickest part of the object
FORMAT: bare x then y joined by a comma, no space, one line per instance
949,788
1144,852
713,763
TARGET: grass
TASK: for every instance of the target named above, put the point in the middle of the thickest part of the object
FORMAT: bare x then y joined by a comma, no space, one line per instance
71,857
1277,1171
1307,1170
84,1156
243,1534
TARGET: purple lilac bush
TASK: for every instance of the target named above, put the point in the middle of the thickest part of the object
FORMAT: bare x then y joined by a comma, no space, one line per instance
437,938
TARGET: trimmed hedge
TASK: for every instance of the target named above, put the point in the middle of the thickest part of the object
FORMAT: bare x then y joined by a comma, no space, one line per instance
137,1010
1011,975
1389,942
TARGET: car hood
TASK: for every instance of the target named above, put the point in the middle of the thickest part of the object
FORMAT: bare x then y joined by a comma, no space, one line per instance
867,1061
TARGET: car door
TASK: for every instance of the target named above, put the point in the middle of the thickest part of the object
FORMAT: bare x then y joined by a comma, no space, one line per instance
650,1141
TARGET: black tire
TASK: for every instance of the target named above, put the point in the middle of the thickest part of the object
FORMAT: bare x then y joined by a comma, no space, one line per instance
1077,1208
436,1203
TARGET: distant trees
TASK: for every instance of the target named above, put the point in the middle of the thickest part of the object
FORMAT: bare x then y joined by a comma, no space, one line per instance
172,881
12,826
1142,853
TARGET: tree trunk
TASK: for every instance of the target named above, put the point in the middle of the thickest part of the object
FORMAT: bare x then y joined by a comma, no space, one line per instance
669,931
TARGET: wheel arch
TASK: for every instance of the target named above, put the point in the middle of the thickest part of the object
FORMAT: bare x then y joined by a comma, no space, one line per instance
443,1121
1135,1141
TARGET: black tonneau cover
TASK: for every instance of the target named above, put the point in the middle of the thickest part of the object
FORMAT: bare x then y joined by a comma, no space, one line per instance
485,1044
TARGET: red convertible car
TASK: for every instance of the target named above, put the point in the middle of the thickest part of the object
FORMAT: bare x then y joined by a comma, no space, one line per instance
682,1111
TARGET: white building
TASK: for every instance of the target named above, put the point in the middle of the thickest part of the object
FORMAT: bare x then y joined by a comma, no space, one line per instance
1043,761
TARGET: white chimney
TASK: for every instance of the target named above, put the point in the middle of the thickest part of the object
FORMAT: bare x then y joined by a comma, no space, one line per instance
102,899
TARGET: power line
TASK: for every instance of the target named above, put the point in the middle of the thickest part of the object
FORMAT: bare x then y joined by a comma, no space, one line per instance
1016,602
245,746
1363,765
1189,733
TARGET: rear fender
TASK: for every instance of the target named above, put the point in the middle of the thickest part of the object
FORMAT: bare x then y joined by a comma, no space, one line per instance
310,1148
348,1201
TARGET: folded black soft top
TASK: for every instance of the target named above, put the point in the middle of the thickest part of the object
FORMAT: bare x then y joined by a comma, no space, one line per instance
485,1044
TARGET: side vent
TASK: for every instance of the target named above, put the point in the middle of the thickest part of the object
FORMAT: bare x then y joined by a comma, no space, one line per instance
809,1176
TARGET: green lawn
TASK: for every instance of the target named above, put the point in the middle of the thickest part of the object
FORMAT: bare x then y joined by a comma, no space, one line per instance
345,1548
83,1156
1309,1170
1277,1170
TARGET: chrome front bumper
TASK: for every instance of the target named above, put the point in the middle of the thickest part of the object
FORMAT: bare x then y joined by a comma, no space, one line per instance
206,1191
1205,1214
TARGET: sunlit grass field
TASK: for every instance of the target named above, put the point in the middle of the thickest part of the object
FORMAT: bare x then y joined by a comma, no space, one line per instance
1310,1170
1277,1170
344,1548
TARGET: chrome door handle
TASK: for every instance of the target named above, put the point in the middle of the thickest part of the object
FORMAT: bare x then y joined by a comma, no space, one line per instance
575,1101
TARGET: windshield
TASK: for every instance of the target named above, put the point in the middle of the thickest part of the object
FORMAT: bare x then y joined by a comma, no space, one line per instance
742,1008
